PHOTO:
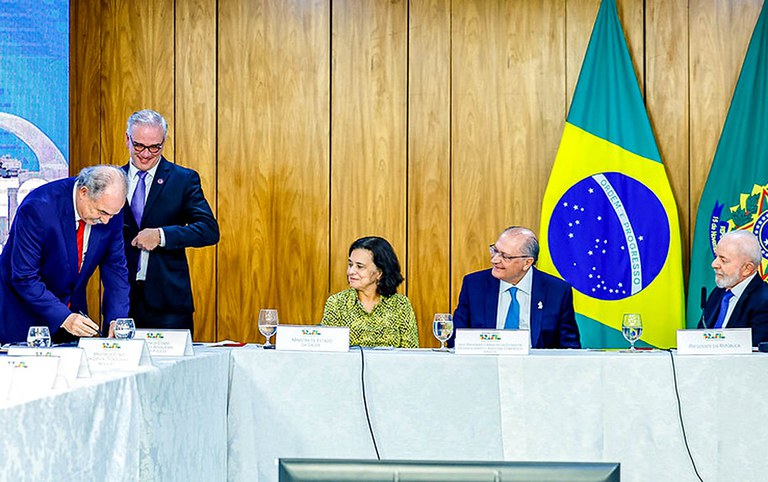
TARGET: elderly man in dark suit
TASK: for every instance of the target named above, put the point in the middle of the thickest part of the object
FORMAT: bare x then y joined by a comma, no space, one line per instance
740,299
62,232
515,295
167,213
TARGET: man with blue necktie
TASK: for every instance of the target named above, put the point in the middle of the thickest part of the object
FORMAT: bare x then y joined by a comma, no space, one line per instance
741,297
513,294
166,214
62,232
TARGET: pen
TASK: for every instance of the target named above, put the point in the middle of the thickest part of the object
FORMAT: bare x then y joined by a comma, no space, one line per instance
98,332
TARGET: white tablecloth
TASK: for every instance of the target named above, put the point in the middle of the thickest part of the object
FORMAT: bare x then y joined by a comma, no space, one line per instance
548,406
422,405
166,422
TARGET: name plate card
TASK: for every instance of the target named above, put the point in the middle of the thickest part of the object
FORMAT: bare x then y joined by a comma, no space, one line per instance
714,342
30,376
112,354
492,342
312,338
73,363
166,342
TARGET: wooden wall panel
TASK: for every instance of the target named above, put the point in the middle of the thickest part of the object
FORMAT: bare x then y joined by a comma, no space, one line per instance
667,97
429,162
508,112
579,18
433,123
137,69
84,89
368,129
195,134
719,33
273,119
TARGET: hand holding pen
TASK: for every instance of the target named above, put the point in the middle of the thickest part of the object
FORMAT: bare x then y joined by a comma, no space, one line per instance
79,324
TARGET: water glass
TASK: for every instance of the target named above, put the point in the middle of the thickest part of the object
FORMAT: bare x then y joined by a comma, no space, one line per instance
632,328
442,328
39,337
268,325
125,328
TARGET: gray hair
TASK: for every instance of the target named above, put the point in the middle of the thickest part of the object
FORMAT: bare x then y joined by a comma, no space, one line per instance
100,178
531,245
747,245
147,117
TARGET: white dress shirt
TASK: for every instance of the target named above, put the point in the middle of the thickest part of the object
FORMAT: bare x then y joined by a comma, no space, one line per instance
133,179
524,287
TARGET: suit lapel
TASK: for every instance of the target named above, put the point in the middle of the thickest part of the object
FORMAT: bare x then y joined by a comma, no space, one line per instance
736,316
538,297
94,240
161,179
717,295
69,232
492,300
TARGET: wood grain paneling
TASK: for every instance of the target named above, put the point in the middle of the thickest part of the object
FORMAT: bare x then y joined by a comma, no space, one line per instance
429,162
273,119
195,133
508,111
433,123
137,69
667,97
580,18
368,128
719,33
84,89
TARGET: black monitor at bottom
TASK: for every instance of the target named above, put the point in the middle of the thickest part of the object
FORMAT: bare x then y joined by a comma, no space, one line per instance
339,470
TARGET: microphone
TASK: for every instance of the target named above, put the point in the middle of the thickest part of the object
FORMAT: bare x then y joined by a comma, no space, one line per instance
703,304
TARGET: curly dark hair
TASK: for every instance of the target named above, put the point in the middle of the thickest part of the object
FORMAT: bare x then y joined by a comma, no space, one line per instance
385,259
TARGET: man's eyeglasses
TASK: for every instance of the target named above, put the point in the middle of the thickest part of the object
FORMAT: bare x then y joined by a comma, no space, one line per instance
505,257
139,147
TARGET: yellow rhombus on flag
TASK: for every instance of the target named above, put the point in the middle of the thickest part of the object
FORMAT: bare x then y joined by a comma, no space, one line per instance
609,223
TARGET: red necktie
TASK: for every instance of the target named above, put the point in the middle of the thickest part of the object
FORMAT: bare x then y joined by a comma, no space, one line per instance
80,236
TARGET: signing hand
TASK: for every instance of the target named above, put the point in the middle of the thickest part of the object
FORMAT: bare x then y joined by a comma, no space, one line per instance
80,325
147,239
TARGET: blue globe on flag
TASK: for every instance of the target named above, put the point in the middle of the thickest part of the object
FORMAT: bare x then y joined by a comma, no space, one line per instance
609,236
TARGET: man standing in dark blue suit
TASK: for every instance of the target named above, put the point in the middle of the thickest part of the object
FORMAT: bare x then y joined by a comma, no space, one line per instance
62,232
167,213
515,295
741,297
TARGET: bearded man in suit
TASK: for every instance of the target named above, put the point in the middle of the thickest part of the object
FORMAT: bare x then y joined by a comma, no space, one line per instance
740,299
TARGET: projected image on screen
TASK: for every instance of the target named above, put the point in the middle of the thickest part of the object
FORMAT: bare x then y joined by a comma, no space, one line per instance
34,99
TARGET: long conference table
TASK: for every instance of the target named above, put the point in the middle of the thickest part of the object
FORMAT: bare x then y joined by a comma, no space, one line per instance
162,423
554,405
229,414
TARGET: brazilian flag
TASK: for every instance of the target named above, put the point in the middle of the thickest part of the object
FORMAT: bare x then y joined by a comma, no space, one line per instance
609,222
736,193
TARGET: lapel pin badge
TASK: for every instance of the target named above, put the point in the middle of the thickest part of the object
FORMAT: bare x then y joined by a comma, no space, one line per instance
541,305
159,181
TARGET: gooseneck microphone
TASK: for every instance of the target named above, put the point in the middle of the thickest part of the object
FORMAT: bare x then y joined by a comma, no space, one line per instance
703,305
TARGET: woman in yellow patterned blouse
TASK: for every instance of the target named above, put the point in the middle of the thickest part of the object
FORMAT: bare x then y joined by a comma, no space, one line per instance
371,307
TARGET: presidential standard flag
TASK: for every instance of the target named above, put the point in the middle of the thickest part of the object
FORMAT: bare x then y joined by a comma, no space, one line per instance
609,222
736,193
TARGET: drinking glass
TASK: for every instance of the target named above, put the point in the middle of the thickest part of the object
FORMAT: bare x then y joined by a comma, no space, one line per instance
125,328
268,325
632,328
39,337
442,328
